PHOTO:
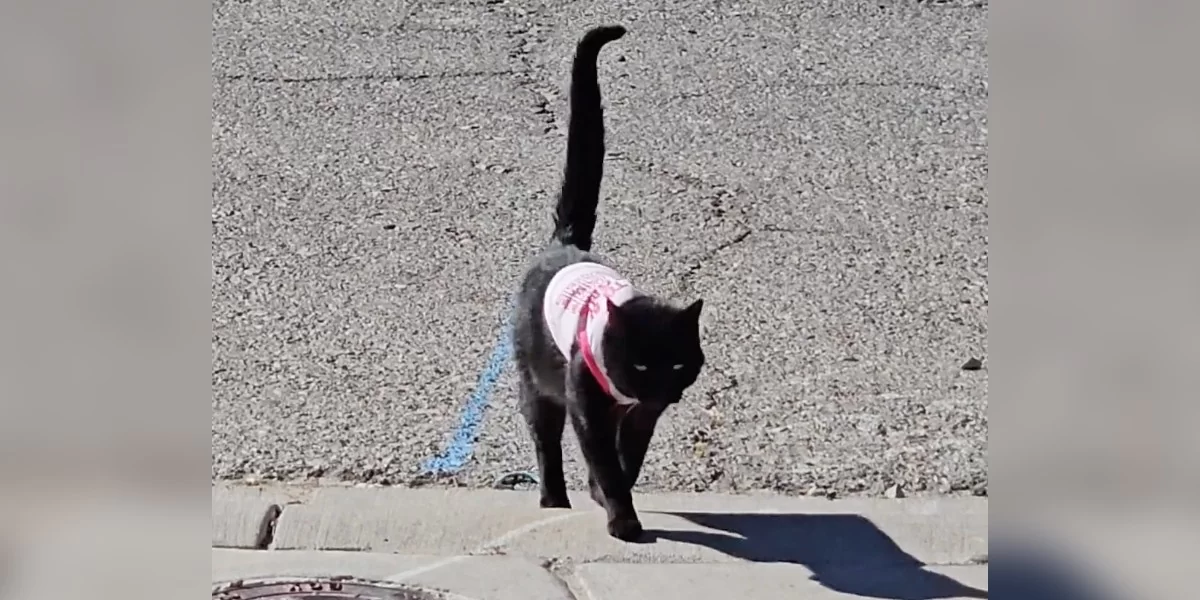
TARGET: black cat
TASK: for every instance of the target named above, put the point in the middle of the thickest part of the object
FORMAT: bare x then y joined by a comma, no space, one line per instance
587,344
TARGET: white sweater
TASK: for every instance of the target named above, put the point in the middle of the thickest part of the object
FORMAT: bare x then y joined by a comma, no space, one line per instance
575,310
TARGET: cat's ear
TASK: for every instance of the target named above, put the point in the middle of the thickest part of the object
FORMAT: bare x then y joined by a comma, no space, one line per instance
615,316
691,314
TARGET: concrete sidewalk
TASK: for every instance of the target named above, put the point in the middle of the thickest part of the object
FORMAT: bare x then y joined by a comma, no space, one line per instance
498,545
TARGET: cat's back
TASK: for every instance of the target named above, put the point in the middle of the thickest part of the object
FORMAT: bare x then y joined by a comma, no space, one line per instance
548,264
532,337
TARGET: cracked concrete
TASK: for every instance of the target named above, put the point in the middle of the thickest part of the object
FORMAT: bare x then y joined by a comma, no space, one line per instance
366,77
816,171
431,537
685,279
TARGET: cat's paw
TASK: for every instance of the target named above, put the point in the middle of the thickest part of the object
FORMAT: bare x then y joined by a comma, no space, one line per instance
555,502
626,529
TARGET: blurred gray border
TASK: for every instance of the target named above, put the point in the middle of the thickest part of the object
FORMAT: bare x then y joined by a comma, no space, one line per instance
1097,232
103,181
1094,343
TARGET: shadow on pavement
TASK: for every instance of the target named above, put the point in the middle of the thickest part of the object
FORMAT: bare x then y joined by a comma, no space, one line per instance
846,553
1031,570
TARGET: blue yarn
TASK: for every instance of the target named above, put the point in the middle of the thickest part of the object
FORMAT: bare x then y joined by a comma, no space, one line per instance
462,444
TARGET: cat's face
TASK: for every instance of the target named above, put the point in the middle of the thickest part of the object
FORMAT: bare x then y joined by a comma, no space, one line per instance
652,350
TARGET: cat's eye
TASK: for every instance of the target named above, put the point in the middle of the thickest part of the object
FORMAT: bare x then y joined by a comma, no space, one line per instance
676,367
640,367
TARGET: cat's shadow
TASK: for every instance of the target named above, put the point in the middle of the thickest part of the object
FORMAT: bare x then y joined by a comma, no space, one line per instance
846,553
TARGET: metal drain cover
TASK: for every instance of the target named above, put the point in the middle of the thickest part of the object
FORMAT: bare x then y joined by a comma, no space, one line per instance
329,588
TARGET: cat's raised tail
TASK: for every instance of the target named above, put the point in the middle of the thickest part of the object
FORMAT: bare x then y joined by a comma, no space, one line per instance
575,213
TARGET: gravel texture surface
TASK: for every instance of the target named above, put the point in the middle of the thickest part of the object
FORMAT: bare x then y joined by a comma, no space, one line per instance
816,170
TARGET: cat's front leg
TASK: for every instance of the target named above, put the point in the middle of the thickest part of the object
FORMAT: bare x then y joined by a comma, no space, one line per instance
635,429
596,432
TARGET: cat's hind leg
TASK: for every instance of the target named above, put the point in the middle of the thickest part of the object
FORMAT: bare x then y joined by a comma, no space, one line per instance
546,420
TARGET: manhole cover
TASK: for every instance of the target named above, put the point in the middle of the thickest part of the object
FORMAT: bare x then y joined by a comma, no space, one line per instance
333,588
